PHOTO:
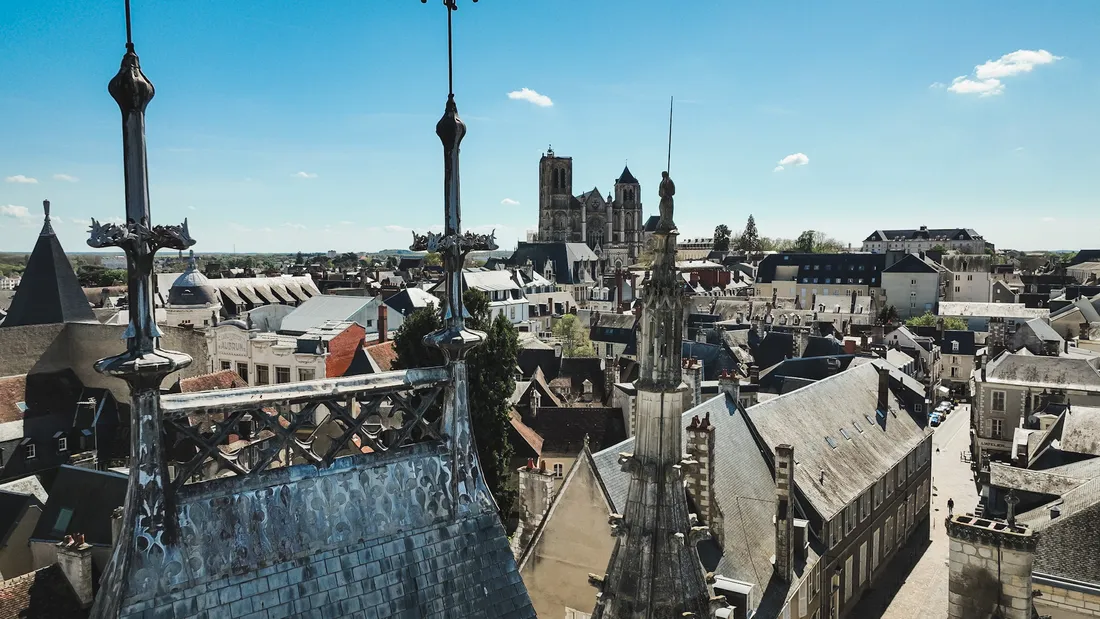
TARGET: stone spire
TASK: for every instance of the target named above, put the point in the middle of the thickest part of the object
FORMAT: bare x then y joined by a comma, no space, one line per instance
654,570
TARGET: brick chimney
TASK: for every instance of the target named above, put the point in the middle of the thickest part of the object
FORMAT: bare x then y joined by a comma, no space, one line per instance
536,491
74,557
383,323
699,479
754,374
784,512
692,374
883,403
996,342
729,383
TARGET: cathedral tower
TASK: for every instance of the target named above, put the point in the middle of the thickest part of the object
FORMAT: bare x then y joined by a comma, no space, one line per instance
555,197
628,212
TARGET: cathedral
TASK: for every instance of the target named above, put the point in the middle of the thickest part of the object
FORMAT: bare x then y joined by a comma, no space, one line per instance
611,226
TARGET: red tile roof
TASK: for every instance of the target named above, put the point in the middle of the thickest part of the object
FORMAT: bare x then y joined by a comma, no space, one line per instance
341,350
41,593
225,379
384,354
13,389
529,436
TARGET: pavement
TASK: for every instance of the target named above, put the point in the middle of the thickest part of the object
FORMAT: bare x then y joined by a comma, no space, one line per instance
908,590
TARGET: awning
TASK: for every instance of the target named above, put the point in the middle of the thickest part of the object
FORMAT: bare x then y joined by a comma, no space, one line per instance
943,390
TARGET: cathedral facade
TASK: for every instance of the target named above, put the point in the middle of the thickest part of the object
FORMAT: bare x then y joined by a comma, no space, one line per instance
611,226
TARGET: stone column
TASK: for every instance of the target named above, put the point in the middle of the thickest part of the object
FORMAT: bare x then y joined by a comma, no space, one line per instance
990,565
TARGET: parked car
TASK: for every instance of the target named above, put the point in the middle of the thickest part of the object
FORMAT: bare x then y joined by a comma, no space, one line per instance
935,420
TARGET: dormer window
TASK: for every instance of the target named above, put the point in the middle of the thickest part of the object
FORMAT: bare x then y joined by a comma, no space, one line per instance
955,346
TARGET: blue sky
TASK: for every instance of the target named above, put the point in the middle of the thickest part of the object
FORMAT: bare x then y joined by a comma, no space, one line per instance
280,126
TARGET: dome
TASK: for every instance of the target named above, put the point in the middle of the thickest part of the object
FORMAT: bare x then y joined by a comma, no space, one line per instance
192,288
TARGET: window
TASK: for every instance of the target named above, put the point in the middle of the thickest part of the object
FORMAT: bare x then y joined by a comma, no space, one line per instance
917,407
912,282
859,428
875,544
862,563
999,401
845,434
558,470
306,374
608,351
282,375
263,375
850,518
891,477
512,312
61,525
227,365
30,451
849,576
901,473
242,371
998,428
63,444
955,346
954,372
831,441
901,523
957,289
370,322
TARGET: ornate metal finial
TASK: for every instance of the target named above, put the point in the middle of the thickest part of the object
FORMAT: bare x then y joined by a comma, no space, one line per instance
130,88
47,227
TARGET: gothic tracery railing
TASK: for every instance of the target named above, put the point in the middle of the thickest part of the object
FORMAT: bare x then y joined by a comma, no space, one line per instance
243,432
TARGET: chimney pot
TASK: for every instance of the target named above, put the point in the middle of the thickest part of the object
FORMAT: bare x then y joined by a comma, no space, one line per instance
542,466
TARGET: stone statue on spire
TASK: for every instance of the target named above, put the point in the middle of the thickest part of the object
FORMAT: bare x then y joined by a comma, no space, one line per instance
666,190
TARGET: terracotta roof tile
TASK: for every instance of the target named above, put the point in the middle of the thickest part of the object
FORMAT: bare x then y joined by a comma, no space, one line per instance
13,389
384,355
39,594
225,379
529,436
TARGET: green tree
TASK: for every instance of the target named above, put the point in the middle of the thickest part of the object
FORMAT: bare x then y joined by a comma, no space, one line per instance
491,382
721,237
930,320
298,258
574,337
889,315
749,242
433,259
805,242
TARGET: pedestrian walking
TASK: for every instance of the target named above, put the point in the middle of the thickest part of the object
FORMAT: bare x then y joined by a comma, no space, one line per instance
950,507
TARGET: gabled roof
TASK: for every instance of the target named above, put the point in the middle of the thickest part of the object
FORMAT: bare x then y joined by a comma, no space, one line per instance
812,416
81,501
1069,547
411,299
911,263
12,508
563,429
562,257
329,308
626,178
224,379
49,292
1071,371
924,234
651,223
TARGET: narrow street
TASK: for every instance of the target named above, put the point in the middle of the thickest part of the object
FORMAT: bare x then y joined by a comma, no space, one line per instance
923,590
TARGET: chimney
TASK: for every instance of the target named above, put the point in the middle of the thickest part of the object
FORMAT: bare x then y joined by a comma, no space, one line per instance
619,289
74,557
813,301
692,373
992,561
729,383
883,389
699,479
536,491
852,308
775,293
557,350
784,512
383,323
701,336
754,374
995,342
863,341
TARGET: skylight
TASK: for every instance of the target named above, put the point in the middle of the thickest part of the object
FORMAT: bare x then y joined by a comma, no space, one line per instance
858,427
830,441
845,434
870,420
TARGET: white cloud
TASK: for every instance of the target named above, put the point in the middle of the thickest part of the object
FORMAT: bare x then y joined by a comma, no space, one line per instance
266,230
1018,149
983,88
65,177
11,210
1048,219
304,175
191,207
19,178
797,159
346,223
526,94
294,226
986,80
937,85
509,202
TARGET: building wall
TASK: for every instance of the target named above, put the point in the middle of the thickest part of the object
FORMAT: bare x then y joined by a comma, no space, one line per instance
956,369
1015,406
806,292
910,246
556,568
912,495
912,294
233,346
16,557
969,287
1062,603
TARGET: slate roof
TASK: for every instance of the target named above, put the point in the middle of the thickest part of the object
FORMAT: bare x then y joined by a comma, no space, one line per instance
1042,330
911,263
1069,546
804,368
1081,430
411,299
745,491
651,223
329,308
49,292
845,265
1041,482
804,418
1085,255
940,234
27,485
563,429
967,345
562,257
615,328
626,178
12,507
13,390
41,594
1087,308
1072,371
85,498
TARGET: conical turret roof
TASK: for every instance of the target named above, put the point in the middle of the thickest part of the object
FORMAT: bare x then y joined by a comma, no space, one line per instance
49,292
626,178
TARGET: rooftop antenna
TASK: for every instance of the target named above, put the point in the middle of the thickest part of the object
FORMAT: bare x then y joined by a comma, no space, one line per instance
668,163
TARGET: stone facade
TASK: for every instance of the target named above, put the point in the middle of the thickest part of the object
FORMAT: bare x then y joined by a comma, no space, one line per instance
1068,603
990,568
613,225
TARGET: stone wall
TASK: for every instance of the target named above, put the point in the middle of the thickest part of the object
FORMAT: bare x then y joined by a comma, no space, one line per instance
1066,603
990,568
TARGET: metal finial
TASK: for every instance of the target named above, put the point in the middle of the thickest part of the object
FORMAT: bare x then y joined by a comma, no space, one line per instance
452,6
668,163
129,30
46,208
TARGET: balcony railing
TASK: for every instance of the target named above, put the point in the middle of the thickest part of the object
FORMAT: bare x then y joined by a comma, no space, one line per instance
215,434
